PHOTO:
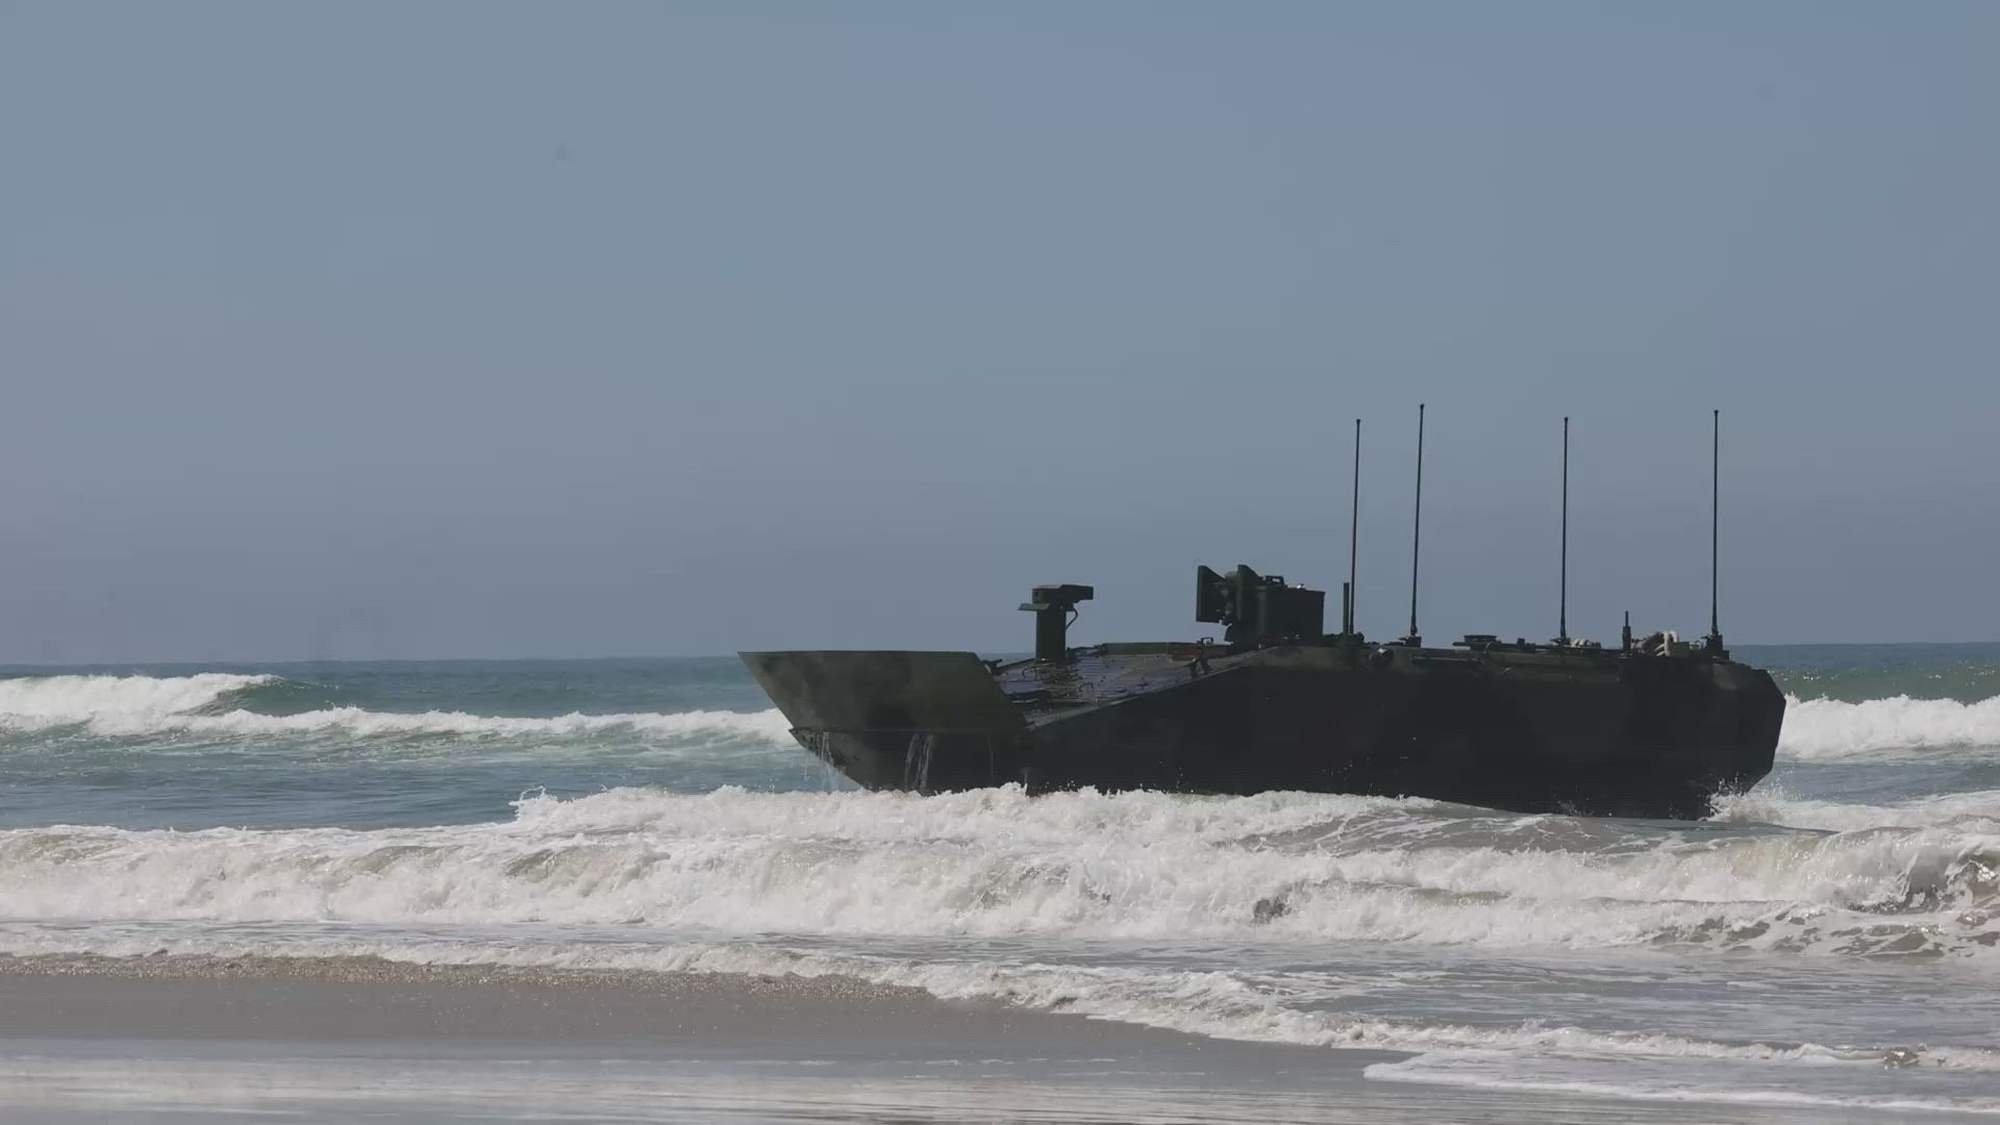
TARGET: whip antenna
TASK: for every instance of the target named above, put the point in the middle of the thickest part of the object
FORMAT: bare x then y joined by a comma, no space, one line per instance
1353,539
1417,532
1714,529
1562,583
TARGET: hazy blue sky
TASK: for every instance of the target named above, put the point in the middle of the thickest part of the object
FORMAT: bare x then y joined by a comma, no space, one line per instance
494,329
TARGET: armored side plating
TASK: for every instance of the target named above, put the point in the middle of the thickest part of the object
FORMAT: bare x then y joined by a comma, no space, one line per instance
1654,728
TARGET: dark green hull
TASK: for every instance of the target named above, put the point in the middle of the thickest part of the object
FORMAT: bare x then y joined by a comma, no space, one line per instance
1524,728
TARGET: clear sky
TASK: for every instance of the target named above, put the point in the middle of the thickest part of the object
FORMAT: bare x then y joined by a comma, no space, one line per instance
482,329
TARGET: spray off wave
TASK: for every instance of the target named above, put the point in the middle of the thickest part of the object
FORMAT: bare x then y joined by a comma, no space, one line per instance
139,706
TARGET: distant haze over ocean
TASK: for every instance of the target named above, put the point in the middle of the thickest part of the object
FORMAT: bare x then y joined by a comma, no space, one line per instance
664,330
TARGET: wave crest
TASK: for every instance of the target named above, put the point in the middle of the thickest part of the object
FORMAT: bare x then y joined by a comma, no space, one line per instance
998,864
40,702
767,725
1832,730
138,706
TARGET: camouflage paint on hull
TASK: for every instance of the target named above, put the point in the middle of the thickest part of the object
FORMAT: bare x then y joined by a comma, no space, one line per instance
1529,729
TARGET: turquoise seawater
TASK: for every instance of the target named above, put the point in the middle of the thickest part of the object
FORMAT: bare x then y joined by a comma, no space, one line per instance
372,745
1830,939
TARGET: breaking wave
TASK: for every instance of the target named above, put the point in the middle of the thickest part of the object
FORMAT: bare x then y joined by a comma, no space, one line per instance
136,706
38,702
1280,868
978,895
760,725
1831,730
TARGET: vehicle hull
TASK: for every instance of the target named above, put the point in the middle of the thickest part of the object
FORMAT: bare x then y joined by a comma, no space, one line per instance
1577,731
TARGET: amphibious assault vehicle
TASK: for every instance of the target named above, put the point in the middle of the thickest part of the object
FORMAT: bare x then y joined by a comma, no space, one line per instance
1656,727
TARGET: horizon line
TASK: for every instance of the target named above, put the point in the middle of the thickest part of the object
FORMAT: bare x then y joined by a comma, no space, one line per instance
11,665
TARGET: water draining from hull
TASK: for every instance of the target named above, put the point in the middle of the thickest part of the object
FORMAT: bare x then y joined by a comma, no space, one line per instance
917,761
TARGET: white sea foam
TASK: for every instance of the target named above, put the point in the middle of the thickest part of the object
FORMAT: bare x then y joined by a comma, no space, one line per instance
1282,868
35,702
889,887
137,706
1830,730
1976,812
766,725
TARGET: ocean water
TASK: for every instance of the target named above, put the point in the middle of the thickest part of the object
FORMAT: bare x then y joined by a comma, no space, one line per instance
1829,940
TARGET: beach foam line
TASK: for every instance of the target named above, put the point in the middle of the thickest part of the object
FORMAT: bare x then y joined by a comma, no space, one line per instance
1210,1003
1616,1076
1831,730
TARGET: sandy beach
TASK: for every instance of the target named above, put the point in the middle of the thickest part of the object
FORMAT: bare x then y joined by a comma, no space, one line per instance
516,521
186,1038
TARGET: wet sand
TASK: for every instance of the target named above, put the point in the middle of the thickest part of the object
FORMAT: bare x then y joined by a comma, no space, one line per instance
185,1038
366,999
